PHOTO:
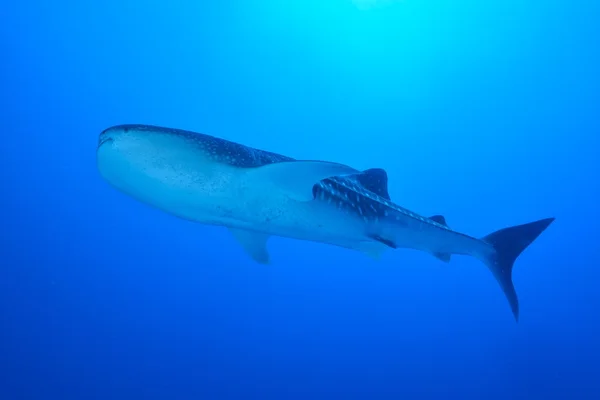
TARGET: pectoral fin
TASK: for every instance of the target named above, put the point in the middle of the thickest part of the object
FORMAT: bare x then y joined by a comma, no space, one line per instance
297,178
255,244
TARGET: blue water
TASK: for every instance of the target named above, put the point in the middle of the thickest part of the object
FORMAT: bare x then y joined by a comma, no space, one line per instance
484,111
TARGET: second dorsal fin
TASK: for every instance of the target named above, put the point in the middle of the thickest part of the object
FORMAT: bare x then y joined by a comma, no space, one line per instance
445,257
439,219
374,180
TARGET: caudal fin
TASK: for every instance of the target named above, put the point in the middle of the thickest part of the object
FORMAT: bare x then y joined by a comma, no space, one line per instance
509,243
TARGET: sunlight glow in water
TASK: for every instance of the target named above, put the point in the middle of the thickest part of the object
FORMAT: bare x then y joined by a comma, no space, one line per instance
369,4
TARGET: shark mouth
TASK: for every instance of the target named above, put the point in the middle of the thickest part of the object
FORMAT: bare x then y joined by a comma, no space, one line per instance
105,138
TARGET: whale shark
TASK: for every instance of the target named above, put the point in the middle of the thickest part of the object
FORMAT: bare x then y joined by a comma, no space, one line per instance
257,194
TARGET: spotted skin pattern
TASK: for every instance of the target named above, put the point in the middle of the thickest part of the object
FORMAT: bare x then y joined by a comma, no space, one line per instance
363,195
345,192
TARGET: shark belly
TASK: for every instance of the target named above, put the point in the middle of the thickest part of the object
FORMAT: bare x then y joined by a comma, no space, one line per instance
202,191
192,191
280,215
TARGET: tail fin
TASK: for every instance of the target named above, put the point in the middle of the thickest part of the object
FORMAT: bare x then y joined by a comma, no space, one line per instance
509,243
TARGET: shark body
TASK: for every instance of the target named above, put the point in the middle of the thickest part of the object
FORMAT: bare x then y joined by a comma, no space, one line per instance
257,194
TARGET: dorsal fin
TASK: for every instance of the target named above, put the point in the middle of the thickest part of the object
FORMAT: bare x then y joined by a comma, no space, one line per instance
296,178
375,180
439,219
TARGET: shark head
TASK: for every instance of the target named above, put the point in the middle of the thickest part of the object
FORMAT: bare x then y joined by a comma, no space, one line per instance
167,167
149,144
141,145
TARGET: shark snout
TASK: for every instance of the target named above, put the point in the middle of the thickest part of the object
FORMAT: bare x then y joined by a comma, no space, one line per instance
129,133
111,134
105,137
120,156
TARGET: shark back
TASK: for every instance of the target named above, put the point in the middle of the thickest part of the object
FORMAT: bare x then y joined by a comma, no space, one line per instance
366,194
219,150
350,194
362,193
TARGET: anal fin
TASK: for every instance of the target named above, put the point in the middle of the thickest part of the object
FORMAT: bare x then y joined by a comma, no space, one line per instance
254,243
445,257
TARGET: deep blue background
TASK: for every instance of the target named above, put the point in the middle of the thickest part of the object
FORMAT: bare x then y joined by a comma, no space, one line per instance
484,111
